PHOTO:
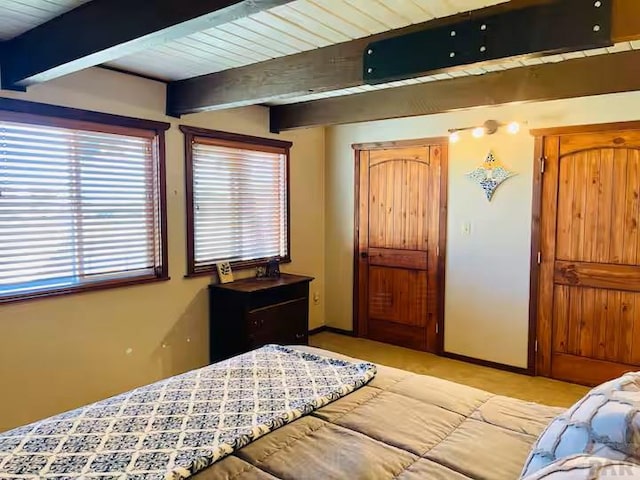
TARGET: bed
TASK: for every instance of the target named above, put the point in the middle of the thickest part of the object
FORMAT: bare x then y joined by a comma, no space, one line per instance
385,424
399,426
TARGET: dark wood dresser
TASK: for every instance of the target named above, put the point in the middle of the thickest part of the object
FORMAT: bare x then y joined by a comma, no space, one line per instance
249,313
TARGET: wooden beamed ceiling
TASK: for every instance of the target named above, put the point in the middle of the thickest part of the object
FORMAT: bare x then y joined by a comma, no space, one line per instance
324,69
601,74
335,67
103,30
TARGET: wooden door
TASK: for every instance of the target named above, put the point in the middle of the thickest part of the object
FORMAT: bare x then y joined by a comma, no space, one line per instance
589,302
399,227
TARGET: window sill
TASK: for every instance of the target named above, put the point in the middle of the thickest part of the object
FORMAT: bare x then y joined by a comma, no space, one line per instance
83,288
235,266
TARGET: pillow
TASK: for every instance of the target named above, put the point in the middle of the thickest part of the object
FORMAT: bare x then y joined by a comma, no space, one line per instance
587,467
606,423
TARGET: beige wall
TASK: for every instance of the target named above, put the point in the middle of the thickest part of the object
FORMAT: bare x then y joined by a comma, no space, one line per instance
487,273
63,352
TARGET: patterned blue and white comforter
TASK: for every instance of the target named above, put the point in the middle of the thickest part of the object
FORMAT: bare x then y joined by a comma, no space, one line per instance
179,426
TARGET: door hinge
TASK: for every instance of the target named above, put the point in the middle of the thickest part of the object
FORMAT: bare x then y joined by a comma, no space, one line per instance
543,160
539,258
437,250
437,329
535,346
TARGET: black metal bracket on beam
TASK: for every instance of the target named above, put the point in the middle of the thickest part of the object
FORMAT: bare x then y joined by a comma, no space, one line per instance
274,120
169,110
561,26
4,85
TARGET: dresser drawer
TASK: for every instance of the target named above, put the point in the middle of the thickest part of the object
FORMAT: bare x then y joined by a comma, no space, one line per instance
283,322
279,338
274,296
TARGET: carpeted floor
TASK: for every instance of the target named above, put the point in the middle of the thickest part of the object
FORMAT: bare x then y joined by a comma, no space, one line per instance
535,389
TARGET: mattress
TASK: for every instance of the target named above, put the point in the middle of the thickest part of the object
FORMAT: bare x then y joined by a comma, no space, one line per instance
401,426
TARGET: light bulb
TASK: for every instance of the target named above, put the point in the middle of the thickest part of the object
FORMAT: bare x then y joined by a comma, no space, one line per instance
513,128
454,137
478,132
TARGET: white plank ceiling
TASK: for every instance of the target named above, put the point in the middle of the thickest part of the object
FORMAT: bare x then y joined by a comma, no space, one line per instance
18,16
292,28
298,26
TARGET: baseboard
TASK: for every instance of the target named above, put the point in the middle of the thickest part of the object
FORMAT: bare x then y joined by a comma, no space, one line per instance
326,328
340,331
487,363
319,329
452,356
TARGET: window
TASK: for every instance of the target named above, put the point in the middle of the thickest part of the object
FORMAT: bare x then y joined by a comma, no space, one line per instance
237,199
81,204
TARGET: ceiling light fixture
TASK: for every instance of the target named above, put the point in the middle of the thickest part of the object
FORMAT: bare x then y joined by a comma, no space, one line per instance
513,128
487,128
478,132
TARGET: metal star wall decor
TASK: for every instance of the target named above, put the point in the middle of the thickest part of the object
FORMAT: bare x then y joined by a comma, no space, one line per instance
490,174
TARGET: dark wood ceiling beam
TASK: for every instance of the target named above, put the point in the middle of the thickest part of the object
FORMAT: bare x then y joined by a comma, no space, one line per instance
324,69
334,67
587,76
625,20
103,30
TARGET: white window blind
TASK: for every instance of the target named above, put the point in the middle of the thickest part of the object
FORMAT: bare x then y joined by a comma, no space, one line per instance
77,207
239,203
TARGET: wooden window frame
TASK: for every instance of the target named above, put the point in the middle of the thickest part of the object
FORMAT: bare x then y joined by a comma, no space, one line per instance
34,113
248,142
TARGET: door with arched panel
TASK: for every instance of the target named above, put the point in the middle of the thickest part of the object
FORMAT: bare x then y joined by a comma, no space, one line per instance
399,268
589,305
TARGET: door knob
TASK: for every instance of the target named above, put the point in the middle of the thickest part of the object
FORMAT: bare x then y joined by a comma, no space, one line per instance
364,254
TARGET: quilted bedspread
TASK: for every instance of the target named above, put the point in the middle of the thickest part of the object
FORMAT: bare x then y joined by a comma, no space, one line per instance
181,425
400,426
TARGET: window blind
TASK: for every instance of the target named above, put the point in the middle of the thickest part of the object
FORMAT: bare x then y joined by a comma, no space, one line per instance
239,204
77,207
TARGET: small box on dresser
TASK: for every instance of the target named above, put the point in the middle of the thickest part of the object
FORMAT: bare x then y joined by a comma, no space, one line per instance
249,313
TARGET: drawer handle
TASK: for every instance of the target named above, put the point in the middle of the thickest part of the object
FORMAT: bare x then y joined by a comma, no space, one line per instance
299,336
